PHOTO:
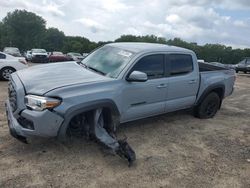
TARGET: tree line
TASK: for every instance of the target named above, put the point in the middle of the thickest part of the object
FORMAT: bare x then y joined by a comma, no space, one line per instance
26,30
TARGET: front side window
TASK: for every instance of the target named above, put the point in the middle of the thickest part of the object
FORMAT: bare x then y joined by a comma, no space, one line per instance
152,65
2,56
180,64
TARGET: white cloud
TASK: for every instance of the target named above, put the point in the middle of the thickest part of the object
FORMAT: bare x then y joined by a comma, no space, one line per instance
204,21
173,18
93,25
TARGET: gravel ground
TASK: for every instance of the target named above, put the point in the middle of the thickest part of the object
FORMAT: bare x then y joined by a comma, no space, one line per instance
173,150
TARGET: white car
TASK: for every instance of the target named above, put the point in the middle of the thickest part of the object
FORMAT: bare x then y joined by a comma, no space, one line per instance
10,64
39,56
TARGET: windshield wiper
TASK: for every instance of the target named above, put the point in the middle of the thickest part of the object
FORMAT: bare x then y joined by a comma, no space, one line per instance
96,70
92,68
82,64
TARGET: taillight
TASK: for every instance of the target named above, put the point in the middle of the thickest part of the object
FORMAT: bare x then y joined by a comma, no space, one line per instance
23,61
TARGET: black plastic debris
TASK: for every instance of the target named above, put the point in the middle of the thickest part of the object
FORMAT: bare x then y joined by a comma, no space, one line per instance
94,125
120,147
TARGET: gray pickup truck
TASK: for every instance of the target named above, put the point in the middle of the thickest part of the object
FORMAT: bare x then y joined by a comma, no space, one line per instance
117,83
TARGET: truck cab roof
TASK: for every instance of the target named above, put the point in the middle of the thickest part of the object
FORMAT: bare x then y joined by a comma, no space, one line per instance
138,47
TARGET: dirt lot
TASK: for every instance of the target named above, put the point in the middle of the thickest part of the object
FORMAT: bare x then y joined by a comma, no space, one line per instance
174,150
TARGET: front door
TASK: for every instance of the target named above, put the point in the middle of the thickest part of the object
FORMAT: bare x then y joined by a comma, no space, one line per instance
144,99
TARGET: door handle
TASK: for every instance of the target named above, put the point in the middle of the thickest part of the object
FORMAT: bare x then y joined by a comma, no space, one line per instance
162,86
192,81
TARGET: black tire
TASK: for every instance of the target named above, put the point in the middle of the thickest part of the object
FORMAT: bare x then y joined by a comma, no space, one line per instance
208,107
245,72
236,71
5,72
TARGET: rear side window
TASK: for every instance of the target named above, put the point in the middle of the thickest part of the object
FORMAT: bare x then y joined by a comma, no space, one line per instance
180,64
152,65
2,56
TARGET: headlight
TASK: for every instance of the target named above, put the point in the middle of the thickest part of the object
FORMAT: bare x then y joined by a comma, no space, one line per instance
41,103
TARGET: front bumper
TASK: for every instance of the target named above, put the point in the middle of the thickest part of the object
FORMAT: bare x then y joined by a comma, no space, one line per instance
45,123
37,59
14,127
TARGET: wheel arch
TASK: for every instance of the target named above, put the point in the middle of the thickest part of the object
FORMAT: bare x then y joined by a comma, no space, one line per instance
85,107
217,88
7,67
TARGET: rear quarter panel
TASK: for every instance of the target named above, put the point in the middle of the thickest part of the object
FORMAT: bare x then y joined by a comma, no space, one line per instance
224,78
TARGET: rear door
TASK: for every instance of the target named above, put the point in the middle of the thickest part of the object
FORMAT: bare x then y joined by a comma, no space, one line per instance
144,99
183,81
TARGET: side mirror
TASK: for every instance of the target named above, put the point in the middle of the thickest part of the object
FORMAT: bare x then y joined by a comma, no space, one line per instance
137,76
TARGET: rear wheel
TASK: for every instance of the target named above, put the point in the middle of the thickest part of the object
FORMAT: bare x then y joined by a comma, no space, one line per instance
6,72
208,107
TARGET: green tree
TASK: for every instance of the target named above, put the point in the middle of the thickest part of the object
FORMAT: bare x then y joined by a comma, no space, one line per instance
23,29
53,40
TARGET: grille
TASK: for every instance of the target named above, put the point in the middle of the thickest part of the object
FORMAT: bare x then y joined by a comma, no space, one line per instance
12,96
41,56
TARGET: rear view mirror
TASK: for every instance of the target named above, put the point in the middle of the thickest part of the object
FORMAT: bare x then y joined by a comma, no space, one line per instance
137,76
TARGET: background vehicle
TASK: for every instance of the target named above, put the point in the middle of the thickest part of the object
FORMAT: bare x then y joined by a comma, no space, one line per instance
12,51
243,66
28,55
122,81
75,56
59,57
39,56
85,54
10,64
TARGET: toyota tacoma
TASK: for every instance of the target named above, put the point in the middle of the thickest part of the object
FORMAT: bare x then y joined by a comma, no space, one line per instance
117,83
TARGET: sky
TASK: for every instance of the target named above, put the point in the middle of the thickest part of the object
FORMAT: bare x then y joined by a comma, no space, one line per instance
204,21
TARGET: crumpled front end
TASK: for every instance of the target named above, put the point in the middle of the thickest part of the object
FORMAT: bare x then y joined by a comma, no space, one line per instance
24,122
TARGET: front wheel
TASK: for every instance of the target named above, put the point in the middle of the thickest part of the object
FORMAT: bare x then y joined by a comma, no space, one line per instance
6,72
208,107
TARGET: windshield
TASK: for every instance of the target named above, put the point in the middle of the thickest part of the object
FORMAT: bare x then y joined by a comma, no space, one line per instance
108,60
39,51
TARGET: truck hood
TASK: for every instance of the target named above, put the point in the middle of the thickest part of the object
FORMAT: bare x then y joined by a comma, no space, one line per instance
41,79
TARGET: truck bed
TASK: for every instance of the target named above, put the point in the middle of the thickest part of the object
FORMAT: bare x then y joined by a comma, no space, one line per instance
203,67
215,75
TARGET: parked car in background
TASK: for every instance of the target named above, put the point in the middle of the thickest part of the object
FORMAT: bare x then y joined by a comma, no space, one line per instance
243,66
10,64
200,60
12,51
39,56
28,55
75,56
59,57
85,54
